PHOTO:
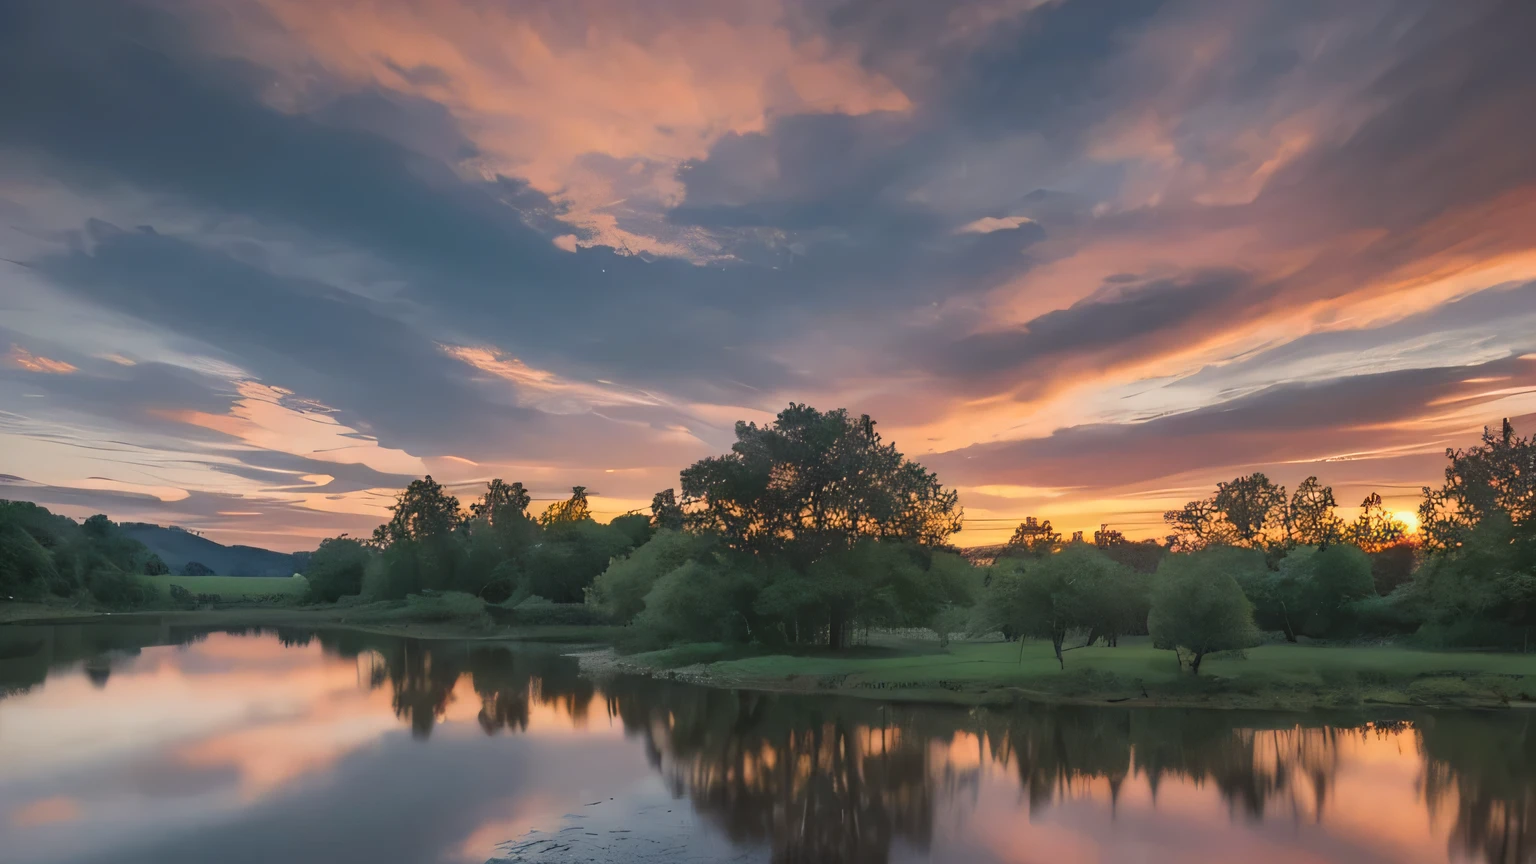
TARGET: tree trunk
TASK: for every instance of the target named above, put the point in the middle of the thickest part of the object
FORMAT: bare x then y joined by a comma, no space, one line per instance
1290,632
835,627
1194,663
1056,640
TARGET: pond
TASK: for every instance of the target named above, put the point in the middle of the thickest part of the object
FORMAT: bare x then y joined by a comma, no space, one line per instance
160,744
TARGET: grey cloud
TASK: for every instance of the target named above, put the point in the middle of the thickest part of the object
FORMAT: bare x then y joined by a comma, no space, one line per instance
1295,422
1133,319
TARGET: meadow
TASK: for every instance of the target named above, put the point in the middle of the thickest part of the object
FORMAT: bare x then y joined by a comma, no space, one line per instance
233,588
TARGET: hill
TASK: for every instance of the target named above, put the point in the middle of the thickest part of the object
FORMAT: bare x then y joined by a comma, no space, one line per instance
178,547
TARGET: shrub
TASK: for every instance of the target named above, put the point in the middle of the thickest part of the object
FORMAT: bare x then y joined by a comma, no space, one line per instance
336,569
698,602
620,590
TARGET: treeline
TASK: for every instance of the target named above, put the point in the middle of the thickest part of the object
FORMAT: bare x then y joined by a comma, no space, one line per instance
813,529
44,554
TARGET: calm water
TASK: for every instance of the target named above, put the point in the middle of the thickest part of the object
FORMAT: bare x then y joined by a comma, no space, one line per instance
154,744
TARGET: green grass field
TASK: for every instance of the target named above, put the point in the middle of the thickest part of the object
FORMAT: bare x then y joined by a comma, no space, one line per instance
233,588
1270,676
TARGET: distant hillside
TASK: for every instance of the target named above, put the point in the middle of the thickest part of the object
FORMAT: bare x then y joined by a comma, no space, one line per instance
178,547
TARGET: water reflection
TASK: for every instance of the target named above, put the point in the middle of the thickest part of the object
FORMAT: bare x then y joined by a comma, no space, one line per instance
278,744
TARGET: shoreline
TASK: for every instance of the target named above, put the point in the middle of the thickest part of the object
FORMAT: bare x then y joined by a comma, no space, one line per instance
1273,677
1428,680
423,624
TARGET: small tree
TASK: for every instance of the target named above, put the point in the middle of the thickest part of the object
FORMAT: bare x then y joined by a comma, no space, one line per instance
1198,609
1049,598
1032,538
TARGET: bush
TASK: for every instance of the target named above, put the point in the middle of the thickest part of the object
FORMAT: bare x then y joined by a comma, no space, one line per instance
119,590
698,602
182,597
620,590
337,568
538,612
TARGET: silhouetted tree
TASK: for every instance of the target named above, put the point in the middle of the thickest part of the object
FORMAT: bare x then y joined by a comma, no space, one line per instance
502,501
1496,477
1032,537
1311,519
666,512
573,509
1375,528
423,510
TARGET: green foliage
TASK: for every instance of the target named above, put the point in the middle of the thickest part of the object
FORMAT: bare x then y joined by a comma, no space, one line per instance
812,483
1326,583
182,597
1393,566
620,590
635,526
1480,593
538,612
698,602
951,620
802,496
570,557
26,569
1078,589
42,553
196,568
336,569
1198,609
236,589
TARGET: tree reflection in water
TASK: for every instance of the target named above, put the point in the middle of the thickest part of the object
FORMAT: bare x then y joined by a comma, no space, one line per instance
820,779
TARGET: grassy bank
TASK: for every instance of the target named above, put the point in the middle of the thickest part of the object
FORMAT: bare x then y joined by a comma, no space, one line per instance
1276,676
442,617
234,588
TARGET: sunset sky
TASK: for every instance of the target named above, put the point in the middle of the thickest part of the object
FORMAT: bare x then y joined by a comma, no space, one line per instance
267,260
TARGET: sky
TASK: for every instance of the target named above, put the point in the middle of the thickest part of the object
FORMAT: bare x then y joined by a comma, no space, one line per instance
265,261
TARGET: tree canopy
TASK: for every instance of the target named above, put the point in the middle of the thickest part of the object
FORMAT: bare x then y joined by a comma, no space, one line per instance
812,483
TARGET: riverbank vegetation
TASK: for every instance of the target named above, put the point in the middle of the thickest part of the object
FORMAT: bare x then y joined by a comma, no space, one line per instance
814,533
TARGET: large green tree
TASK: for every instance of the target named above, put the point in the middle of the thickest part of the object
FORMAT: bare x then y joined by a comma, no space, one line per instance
811,484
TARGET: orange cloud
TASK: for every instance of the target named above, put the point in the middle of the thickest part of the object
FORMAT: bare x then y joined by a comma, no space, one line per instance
25,359
631,83
46,811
